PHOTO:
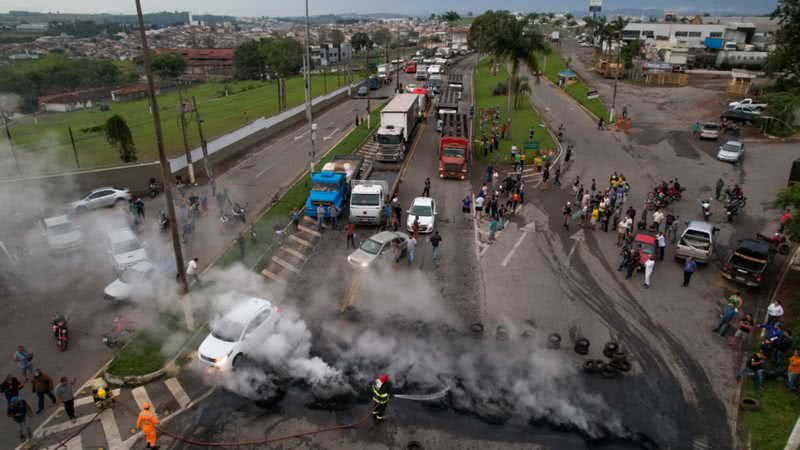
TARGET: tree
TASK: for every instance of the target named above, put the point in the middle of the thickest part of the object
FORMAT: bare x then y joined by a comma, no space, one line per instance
247,61
383,37
336,37
360,40
789,198
784,62
451,16
517,41
168,65
521,88
282,56
117,133
482,33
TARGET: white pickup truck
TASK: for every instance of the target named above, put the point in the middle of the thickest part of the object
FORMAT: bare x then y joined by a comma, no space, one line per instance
748,102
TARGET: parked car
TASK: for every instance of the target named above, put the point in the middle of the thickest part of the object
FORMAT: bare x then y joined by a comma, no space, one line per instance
586,44
373,248
697,241
102,198
125,249
134,279
710,130
223,348
731,151
748,263
410,88
363,91
739,115
423,208
749,103
61,233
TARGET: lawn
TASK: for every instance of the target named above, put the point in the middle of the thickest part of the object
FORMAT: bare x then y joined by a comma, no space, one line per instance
142,356
257,257
48,140
769,428
523,118
556,64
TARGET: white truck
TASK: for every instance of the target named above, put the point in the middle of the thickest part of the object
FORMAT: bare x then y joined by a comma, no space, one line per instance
398,122
749,102
383,70
368,201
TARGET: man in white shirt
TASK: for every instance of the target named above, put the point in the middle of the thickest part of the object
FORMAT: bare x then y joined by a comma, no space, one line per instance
658,219
411,249
191,270
662,245
648,270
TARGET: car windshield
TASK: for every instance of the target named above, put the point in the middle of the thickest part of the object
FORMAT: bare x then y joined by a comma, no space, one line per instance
127,246
711,127
227,330
365,200
421,210
134,276
453,152
62,228
324,187
388,138
371,246
730,148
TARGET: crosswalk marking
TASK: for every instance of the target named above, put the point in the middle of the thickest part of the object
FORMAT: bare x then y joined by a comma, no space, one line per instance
177,391
66,425
76,443
110,429
141,397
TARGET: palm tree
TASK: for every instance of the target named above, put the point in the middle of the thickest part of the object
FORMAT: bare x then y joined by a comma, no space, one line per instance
521,87
517,40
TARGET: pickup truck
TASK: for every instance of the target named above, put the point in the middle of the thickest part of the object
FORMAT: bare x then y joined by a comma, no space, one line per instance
740,115
748,263
748,102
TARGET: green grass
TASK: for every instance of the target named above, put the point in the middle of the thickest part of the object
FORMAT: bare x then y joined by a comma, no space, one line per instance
523,118
142,356
49,139
556,64
769,428
258,255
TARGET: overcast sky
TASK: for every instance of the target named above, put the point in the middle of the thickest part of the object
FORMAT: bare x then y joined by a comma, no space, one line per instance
411,7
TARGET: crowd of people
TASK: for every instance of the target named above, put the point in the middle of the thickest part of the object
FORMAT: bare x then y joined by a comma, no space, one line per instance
775,342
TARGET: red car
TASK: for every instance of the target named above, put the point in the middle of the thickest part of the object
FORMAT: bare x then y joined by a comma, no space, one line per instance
647,246
411,68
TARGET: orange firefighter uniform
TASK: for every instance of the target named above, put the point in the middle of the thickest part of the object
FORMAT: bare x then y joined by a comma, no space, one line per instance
147,423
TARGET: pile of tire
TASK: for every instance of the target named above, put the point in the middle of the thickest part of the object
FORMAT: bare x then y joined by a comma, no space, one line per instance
618,362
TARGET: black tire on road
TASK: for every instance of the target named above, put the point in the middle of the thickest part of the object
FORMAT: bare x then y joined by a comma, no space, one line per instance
599,364
590,366
609,371
623,366
619,356
750,404
610,348
554,341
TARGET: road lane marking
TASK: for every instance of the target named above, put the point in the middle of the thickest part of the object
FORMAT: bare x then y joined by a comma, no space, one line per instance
177,391
300,136
263,171
272,276
525,231
141,397
294,253
578,238
335,130
110,429
300,241
309,230
52,429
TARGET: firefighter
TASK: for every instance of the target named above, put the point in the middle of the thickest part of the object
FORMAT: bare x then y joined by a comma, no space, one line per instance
381,393
147,421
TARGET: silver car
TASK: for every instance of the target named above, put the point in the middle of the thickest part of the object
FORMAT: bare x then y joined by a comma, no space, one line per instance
373,248
731,151
102,198
61,234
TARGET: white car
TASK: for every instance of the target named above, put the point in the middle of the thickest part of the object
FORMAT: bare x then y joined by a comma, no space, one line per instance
102,198
223,347
586,44
709,130
125,249
135,278
410,88
61,234
424,210
376,246
731,151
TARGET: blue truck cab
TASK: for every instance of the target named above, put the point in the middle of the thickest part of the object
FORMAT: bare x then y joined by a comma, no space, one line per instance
331,186
373,82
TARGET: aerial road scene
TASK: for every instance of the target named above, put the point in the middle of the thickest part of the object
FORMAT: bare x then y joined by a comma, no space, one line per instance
360,225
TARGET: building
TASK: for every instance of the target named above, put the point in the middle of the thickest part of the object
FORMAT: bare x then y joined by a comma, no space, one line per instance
204,64
687,35
130,93
32,28
458,36
72,101
329,54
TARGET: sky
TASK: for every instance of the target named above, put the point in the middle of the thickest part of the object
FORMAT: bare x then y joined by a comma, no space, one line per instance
410,7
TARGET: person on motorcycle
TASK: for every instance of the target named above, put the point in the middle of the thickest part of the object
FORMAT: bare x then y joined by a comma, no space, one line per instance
736,192
676,185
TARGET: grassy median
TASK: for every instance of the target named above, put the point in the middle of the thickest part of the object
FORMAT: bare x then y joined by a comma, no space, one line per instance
523,118
578,91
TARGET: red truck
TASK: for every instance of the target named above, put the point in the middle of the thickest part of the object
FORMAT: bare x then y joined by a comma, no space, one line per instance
411,67
454,146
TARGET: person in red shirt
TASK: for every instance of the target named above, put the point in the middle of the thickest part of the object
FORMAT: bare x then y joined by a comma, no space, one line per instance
785,218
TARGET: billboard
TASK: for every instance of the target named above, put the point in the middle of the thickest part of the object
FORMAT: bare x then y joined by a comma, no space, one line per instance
595,6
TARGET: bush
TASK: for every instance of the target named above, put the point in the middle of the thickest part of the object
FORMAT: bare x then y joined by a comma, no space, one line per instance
501,88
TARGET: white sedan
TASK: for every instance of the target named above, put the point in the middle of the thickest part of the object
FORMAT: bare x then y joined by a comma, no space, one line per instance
61,233
102,198
136,278
731,151
223,347
424,210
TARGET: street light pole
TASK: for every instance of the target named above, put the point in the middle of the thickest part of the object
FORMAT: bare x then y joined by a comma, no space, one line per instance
397,69
165,175
307,71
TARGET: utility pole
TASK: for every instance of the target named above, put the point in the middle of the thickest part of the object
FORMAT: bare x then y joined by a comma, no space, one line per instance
182,109
397,69
612,113
74,149
366,67
10,142
165,175
204,146
312,154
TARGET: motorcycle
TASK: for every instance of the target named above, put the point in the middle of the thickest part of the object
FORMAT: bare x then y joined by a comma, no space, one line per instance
777,242
121,330
731,210
706,207
163,220
154,188
60,331
240,212
656,203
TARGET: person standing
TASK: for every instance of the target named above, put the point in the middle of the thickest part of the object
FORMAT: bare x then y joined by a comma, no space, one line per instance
334,216
531,133
728,314
411,249
242,246
147,422
774,311
20,411
688,270
746,325
503,129
466,204
320,216
139,208
436,240
793,371
415,227
718,188
634,263
479,206
381,393
545,176
426,191
492,229
557,179
42,386
350,230
566,212
662,245
11,387
191,270
24,360
696,129
658,219
600,123
649,265
66,395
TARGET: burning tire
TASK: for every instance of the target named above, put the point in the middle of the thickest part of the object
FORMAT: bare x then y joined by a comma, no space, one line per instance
554,341
582,346
610,348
